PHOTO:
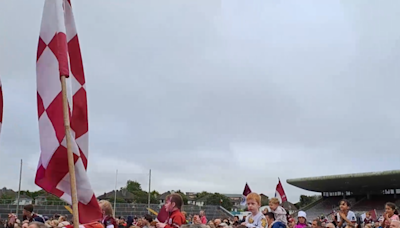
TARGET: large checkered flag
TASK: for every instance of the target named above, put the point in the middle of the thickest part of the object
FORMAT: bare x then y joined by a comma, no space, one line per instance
59,55
1,105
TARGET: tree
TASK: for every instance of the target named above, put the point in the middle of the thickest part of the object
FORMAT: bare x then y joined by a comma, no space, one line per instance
306,200
133,186
155,193
140,196
119,200
219,199
202,194
7,198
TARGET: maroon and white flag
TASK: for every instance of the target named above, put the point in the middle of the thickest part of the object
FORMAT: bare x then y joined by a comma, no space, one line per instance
280,193
163,214
59,54
246,191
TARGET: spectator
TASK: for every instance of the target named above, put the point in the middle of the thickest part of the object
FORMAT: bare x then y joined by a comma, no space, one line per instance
330,225
203,217
301,219
390,214
395,224
368,219
196,219
279,212
37,225
345,217
270,216
28,214
316,223
236,221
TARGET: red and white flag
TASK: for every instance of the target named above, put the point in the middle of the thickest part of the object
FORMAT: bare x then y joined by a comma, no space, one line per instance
246,191
1,105
59,54
280,193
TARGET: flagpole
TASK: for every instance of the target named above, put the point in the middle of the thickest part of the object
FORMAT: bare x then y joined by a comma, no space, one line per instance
71,163
148,200
19,189
115,192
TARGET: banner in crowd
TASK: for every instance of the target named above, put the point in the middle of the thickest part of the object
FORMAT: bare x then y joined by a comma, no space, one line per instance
280,193
246,191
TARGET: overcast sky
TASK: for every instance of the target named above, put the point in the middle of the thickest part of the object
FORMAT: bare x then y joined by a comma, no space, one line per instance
213,94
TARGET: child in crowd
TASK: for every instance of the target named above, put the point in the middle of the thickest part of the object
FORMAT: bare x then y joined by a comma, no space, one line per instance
279,212
345,217
391,214
368,219
173,205
256,219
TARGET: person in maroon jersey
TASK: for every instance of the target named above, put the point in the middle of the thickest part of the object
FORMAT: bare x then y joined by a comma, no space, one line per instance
173,205
108,218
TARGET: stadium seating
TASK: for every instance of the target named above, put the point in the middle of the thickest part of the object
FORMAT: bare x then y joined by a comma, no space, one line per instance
325,207
375,202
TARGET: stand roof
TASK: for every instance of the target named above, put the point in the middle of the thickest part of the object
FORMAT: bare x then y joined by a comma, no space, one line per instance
350,182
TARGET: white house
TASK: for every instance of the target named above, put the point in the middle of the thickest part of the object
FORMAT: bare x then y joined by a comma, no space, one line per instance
40,200
23,200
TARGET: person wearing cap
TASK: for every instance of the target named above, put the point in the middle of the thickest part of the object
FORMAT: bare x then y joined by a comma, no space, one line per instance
301,219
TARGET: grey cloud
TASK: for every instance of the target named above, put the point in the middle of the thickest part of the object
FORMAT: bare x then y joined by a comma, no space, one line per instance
232,93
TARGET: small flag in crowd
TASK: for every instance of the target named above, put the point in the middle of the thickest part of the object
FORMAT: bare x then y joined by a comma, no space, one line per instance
246,191
59,55
162,214
280,193
89,225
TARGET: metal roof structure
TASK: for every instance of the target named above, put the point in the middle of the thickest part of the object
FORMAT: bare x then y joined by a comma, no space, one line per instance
350,182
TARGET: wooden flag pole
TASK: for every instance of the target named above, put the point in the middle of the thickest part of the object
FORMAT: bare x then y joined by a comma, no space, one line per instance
71,163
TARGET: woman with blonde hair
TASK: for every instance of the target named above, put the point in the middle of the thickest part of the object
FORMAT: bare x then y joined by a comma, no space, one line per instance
54,223
62,222
107,211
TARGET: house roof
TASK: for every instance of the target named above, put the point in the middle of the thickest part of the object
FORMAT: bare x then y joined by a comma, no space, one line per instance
123,194
203,199
25,197
233,195
164,195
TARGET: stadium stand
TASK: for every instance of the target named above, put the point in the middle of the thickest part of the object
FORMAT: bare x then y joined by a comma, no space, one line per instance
365,191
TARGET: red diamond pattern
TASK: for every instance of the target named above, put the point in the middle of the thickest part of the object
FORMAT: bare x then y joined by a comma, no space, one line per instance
1,105
53,169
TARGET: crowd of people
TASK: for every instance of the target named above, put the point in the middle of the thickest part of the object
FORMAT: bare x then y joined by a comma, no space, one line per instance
275,217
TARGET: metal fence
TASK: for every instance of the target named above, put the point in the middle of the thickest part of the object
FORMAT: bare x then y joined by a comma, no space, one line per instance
122,209
14,202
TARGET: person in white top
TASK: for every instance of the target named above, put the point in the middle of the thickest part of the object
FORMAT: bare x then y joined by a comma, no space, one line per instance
256,219
345,217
